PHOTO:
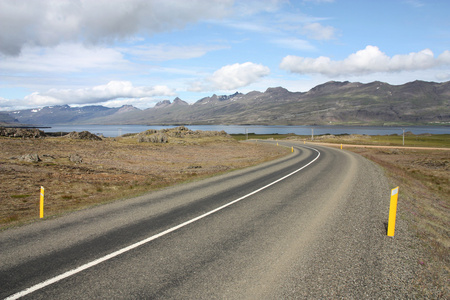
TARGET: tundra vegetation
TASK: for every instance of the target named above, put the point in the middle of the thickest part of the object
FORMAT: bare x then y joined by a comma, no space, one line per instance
81,169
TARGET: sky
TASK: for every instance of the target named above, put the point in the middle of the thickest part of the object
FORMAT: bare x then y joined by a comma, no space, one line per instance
139,52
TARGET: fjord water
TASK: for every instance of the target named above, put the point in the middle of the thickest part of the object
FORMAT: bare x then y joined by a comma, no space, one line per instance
117,130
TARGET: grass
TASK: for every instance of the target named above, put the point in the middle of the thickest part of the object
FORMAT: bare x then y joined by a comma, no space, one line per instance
438,140
424,180
115,168
20,196
242,136
411,140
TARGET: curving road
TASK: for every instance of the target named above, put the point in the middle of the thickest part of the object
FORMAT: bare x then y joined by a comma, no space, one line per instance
317,233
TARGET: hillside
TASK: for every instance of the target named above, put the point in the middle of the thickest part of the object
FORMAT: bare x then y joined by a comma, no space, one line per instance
347,103
5,118
64,114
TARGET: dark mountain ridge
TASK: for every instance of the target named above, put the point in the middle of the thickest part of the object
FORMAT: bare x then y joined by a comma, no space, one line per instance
346,103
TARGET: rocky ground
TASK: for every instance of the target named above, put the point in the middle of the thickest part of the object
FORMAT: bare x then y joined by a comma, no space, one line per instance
81,169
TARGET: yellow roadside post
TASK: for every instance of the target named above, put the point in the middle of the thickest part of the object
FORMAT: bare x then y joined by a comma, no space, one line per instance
42,203
392,212
341,146
292,149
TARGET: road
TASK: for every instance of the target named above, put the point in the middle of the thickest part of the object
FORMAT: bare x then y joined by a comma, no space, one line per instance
320,232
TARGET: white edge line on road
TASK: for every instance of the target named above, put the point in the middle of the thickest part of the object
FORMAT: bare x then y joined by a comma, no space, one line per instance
149,239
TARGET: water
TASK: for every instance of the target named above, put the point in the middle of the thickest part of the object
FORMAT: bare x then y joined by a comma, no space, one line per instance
116,130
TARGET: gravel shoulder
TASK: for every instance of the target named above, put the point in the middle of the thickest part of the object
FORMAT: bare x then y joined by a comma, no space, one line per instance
422,173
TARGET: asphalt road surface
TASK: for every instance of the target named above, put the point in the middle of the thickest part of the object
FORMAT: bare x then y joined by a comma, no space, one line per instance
319,232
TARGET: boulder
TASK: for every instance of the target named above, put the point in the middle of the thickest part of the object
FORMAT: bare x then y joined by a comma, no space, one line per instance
76,158
34,158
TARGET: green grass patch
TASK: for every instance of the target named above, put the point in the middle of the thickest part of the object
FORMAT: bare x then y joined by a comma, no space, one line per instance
435,140
411,140
275,136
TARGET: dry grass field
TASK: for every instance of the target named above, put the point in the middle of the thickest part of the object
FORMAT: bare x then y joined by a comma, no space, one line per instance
424,200
109,169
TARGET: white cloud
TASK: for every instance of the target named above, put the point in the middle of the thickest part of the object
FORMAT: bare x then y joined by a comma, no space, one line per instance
317,31
6,104
443,76
163,52
63,58
141,103
231,77
294,43
249,25
97,94
51,22
366,61
251,7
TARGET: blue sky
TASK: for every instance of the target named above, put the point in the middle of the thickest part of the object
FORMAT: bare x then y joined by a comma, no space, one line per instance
138,52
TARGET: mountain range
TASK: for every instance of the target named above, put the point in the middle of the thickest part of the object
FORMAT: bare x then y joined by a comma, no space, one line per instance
337,103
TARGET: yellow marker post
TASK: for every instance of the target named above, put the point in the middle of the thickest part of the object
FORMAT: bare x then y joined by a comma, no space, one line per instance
277,143
341,146
42,203
392,212
292,149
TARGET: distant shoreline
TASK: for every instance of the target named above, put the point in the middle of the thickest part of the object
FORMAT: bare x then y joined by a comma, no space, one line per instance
24,127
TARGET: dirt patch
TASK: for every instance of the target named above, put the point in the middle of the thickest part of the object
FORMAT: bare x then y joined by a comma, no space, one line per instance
77,173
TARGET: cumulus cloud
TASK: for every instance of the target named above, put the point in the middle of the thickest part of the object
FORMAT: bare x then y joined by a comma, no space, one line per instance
51,22
366,61
231,77
97,94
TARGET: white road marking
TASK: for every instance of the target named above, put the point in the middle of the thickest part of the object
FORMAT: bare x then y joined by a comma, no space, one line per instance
149,239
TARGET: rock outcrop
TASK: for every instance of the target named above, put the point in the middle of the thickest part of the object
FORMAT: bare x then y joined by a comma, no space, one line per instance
163,135
84,135
22,132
